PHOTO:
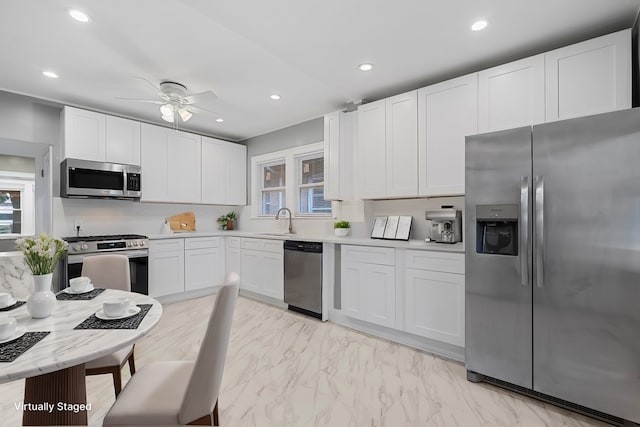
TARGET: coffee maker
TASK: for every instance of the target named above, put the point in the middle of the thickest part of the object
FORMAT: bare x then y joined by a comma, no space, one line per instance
445,225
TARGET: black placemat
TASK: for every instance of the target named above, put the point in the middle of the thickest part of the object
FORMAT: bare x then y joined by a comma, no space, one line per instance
63,296
10,351
129,323
14,306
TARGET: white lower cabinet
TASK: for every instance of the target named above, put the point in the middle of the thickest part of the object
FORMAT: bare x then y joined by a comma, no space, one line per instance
233,256
166,267
203,263
262,267
434,296
185,264
368,284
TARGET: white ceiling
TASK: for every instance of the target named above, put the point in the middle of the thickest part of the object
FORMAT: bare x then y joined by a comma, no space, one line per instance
245,50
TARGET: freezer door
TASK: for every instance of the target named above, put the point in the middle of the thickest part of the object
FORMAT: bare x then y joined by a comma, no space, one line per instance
498,287
587,262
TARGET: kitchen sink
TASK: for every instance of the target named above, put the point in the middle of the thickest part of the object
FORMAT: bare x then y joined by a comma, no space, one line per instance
276,234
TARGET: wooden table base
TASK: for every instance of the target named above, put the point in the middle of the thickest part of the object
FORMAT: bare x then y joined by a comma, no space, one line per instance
57,398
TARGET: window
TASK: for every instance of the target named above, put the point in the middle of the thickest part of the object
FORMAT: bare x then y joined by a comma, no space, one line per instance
291,179
310,171
273,189
10,211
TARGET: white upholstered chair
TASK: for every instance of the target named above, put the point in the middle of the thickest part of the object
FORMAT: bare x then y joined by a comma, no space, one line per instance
110,271
183,392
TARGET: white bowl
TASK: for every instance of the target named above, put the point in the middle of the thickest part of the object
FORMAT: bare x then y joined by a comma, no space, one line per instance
8,326
79,284
115,307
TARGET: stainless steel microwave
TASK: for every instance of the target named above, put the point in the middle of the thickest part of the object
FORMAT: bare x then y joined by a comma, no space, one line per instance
84,178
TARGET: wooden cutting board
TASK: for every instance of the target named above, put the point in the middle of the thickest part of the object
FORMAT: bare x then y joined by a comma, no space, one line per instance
185,221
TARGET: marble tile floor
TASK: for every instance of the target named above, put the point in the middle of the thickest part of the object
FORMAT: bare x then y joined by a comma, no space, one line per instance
284,369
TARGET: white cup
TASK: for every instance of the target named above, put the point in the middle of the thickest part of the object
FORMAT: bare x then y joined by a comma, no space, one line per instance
115,307
79,284
5,299
8,327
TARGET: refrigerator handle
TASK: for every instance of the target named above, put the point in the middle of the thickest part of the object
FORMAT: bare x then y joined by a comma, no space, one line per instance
539,203
524,230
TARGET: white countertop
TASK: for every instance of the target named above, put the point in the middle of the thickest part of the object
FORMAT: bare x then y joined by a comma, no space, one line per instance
411,244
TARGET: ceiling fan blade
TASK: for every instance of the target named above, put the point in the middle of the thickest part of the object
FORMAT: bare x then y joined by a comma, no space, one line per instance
199,110
148,101
201,97
157,88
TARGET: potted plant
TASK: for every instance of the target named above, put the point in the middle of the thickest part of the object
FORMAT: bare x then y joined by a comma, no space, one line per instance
227,222
341,228
41,254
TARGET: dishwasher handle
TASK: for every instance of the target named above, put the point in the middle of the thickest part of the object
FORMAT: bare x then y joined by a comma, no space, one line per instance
295,245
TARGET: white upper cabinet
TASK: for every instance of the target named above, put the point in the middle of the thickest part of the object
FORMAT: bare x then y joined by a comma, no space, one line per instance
122,141
98,137
388,147
339,144
170,165
184,171
372,150
402,144
236,174
83,134
224,172
589,77
511,95
447,112
155,162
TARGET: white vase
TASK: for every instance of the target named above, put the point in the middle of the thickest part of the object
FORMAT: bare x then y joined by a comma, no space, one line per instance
41,302
341,232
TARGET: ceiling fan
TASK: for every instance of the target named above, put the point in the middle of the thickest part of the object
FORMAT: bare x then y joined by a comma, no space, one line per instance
175,102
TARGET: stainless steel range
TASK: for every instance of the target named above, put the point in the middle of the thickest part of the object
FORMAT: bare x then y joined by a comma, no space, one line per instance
134,246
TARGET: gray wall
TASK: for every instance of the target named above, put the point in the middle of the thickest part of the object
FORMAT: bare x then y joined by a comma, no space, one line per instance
293,136
17,164
28,119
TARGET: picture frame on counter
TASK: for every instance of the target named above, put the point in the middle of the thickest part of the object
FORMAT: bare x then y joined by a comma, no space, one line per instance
394,227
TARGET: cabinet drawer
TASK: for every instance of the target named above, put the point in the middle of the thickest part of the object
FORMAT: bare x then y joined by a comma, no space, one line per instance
435,261
202,242
368,255
233,242
165,245
262,245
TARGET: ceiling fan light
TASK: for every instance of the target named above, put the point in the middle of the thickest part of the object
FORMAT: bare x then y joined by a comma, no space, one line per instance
184,114
167,110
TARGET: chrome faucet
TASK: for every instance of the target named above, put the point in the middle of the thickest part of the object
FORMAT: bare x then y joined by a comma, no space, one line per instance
278,217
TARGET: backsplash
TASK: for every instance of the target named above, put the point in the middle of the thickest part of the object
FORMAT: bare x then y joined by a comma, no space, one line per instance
121,216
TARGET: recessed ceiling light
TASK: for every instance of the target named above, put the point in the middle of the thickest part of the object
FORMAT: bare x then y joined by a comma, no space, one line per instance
275,97
79,15
50,74
479,25
366,67
219,120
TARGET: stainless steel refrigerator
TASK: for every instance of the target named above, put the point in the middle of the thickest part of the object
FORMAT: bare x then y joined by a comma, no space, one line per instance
553,261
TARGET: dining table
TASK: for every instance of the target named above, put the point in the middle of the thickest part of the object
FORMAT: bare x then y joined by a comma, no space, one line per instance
54,367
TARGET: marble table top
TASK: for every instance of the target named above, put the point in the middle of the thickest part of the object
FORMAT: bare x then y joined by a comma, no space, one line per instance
65,347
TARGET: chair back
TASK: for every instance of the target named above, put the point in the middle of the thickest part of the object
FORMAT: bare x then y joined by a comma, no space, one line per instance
108,271
206,379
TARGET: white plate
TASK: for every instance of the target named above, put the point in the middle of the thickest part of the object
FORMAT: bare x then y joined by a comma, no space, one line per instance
132,312
72,292
17,334
12,301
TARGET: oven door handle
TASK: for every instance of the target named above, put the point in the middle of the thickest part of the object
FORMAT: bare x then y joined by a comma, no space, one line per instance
77,259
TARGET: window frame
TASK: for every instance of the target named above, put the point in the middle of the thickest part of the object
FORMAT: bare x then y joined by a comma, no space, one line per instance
291,158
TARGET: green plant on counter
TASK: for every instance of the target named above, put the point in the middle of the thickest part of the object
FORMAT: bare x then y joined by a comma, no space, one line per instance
342,224
226,222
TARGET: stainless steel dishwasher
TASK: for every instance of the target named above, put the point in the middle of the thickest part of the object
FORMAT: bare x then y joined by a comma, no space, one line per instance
303,277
